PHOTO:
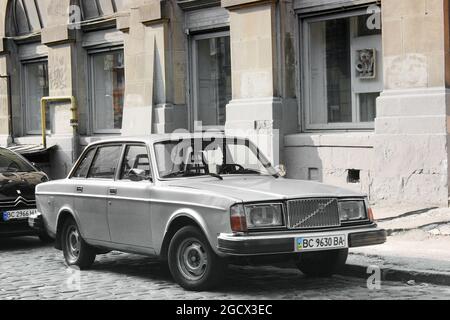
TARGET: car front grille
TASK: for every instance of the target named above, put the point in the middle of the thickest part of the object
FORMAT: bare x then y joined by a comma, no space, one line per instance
313,213
18,203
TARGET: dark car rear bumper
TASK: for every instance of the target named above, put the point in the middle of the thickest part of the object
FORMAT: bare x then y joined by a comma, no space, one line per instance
16,229
261,245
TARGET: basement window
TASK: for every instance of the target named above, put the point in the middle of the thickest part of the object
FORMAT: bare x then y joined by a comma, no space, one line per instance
354,176
313,174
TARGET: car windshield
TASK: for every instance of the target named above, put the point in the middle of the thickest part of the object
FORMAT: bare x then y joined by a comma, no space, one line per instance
10,162
210,156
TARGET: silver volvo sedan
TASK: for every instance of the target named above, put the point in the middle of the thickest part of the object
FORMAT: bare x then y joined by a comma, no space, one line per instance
200,202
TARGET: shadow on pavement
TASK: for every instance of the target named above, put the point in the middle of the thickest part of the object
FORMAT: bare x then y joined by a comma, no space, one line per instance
21,243
239,279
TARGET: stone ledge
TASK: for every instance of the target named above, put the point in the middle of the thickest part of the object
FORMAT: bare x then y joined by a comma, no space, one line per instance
123,23
3,46
197,4
345,139
232,4
57,35
150,12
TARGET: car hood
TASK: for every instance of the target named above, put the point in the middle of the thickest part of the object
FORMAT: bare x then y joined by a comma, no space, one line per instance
251,188
15,184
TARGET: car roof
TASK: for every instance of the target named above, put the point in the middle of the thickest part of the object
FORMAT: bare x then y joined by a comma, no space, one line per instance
153,138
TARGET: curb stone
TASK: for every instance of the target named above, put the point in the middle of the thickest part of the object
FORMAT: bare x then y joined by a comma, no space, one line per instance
402,275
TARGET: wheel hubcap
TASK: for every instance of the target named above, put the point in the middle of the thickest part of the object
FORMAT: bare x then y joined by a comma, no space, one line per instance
192,259
73,244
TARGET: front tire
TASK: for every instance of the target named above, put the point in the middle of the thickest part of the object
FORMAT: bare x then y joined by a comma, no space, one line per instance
322,263
76,251
192,262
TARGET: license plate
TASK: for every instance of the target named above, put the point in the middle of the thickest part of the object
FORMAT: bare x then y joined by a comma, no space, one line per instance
321,243
18,214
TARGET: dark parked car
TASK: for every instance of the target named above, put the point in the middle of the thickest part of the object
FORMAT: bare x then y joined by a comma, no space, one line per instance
18,181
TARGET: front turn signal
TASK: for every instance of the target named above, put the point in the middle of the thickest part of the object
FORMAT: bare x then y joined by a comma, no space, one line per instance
237,218
370,215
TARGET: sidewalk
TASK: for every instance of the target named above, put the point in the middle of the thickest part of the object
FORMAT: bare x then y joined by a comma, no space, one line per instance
417,249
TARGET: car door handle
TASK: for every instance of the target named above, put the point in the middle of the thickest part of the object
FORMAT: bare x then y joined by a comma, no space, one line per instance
80,189
113,191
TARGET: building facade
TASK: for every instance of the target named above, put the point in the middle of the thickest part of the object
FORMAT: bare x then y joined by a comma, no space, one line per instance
348,92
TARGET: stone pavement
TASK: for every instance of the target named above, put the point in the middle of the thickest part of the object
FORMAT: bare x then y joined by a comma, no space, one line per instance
29,270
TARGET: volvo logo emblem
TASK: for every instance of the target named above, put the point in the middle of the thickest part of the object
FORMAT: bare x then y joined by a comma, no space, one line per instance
322,207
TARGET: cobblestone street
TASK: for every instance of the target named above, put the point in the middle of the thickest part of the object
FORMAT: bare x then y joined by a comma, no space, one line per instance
29,270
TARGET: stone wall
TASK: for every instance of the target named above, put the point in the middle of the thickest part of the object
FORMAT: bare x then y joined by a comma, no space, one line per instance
411,135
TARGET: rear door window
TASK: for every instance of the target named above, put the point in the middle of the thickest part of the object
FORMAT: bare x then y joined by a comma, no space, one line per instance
83,168
105,162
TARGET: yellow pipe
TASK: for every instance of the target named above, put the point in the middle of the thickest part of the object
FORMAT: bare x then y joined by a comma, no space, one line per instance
44,104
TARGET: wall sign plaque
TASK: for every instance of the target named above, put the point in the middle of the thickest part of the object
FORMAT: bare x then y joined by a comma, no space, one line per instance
366,63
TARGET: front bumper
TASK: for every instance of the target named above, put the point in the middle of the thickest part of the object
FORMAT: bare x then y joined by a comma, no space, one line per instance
230,244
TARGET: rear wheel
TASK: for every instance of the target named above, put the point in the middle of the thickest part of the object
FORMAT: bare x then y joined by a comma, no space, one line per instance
192,262
76,251
322,263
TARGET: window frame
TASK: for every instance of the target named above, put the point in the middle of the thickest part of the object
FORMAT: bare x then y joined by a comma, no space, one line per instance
91,54
24,94
193,75
122,159
305,76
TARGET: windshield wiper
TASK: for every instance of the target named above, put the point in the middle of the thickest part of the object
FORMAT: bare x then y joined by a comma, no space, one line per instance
215,175
183,173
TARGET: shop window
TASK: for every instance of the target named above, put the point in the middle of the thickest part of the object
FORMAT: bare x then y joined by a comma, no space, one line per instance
211,78
342,71
35,87
107,88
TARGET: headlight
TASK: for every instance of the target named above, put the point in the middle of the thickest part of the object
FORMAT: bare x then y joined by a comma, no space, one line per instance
264,215
352,210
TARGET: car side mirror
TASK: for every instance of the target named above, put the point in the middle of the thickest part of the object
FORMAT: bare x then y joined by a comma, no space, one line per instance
137,175
281,170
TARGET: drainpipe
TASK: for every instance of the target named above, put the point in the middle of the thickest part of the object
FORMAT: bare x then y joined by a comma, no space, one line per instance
10,121
73,122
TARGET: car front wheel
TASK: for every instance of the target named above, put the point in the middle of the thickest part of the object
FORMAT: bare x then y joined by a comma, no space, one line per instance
322,263
76,251
192,262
